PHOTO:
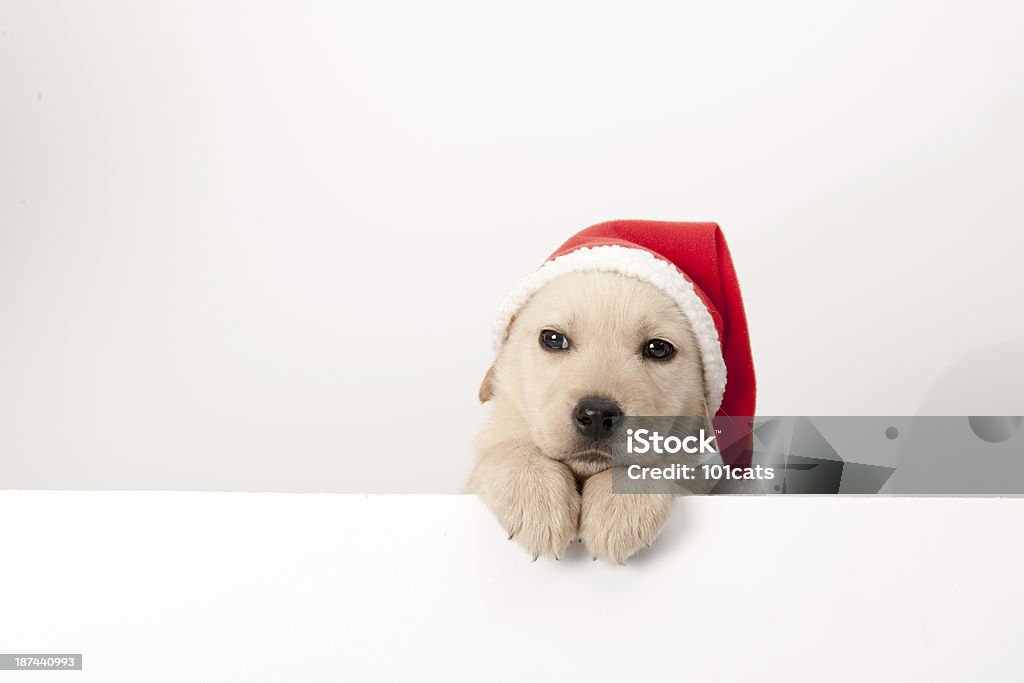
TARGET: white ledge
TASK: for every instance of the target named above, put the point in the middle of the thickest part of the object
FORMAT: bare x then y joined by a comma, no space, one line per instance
232,586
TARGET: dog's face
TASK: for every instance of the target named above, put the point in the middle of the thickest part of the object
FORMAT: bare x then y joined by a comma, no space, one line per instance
587,348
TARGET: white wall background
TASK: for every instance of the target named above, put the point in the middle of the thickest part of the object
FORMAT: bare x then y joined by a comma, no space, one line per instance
258,245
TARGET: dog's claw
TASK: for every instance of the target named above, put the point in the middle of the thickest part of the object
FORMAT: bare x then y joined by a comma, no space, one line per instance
594,558
535,558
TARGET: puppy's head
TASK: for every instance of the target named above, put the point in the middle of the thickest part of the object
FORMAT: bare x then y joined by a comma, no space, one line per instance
587,348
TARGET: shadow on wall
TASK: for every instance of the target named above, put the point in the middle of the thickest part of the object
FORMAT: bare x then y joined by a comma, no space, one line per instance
979,455
987,381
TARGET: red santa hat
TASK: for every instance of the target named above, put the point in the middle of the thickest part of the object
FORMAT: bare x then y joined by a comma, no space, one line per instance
690,263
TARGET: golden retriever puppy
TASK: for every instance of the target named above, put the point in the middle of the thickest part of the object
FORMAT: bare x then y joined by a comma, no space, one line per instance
586,348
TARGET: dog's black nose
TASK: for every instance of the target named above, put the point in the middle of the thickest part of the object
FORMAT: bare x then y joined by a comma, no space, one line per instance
595,416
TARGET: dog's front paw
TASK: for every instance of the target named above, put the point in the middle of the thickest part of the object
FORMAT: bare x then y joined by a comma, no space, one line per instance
615,526
538,505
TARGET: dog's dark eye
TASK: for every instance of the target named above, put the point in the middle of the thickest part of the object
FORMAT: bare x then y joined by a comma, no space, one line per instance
658,349
554,341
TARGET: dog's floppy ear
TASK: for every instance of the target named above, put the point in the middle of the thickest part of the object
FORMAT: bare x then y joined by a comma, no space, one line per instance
487,386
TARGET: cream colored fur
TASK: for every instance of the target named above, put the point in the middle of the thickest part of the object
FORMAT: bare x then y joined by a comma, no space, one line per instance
533,469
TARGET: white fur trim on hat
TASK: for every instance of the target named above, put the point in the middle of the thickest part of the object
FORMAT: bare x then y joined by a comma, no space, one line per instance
644,266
